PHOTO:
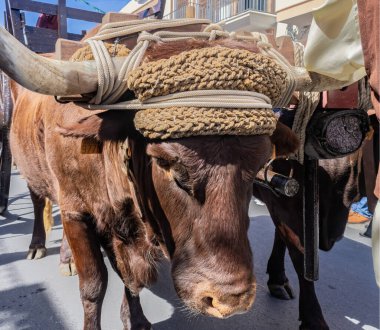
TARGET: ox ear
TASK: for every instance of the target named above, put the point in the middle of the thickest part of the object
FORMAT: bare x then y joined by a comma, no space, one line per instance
105,126
15,90
285,140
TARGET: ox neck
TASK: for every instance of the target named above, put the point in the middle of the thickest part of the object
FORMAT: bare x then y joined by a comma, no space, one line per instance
138,168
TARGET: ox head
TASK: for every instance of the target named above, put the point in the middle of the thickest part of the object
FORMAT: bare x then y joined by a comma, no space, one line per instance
200,189
204,186
195,194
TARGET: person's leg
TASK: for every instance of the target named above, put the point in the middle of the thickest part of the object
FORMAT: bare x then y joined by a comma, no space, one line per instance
376,242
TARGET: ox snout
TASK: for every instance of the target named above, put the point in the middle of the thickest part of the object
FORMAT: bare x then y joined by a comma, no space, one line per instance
220,300
222,304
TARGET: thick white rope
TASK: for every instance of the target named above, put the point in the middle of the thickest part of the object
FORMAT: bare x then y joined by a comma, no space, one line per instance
133,60
127,28
267,49
112,87
229,99
106,71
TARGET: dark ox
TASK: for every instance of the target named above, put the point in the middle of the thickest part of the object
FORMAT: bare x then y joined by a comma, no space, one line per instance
135,198
338,188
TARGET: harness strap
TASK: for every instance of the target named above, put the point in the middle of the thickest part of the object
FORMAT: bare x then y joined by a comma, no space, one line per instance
230,99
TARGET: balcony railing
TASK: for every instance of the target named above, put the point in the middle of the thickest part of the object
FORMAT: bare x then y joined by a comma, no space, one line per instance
217,10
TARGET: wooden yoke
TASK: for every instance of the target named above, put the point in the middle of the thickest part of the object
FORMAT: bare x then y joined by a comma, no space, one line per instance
65,48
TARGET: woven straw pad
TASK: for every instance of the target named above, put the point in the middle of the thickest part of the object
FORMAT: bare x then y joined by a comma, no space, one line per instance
85,53
204,69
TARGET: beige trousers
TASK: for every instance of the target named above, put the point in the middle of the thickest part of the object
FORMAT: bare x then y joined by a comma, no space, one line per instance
376,242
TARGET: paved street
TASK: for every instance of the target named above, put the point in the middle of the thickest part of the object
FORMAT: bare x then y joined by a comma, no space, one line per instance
33,294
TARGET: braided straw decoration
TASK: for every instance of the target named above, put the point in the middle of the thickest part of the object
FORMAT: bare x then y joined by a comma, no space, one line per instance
182,122
209,68
85,53
213,68
177,122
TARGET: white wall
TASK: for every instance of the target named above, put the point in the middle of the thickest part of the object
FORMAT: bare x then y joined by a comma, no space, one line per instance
282,4
281,29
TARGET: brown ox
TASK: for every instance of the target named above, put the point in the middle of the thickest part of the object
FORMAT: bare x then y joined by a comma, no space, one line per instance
187,197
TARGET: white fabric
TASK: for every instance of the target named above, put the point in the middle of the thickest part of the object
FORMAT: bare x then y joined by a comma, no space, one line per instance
334,46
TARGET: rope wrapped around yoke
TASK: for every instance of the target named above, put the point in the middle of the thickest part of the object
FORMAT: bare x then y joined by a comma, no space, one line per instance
216,71
209,68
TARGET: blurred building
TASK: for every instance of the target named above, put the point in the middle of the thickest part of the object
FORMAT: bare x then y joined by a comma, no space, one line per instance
283,16
296,12
234,15
142,8
294,17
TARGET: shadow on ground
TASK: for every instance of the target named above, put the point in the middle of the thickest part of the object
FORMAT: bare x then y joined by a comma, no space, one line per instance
346,290
28,307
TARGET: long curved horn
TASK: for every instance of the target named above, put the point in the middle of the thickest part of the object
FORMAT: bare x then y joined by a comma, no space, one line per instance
43,75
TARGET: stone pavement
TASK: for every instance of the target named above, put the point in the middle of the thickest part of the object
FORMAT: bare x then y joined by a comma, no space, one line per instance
33,294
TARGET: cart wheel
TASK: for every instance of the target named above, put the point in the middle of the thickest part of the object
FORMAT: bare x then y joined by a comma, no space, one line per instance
6,107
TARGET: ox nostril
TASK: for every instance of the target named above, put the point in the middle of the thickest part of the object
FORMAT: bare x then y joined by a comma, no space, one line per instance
208,301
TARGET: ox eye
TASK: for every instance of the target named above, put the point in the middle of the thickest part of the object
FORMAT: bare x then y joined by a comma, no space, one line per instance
181,177
178,172
161,162
183,185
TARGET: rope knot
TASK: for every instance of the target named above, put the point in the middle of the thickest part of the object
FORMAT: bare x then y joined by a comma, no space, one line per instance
233,35
213,27
264,45
146,36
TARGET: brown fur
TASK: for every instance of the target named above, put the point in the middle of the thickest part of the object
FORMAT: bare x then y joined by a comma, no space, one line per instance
285,141
158,51
188,196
